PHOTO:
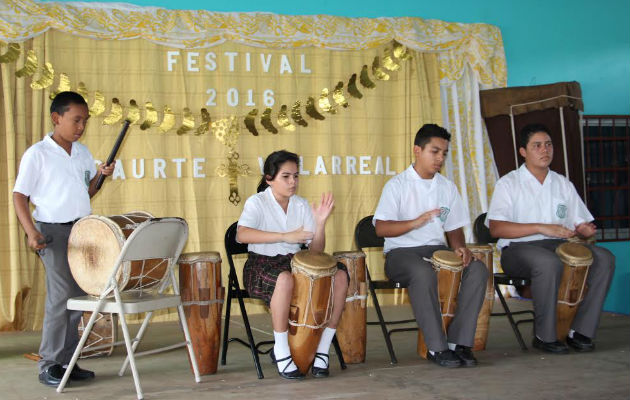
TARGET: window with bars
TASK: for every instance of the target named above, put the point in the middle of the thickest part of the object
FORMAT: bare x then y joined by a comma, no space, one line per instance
607,169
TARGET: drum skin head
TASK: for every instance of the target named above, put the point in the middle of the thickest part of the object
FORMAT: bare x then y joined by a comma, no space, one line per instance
447,257
575,254
200,256
314,260
349,254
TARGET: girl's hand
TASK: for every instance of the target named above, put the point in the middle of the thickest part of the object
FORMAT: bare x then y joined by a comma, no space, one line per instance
322,211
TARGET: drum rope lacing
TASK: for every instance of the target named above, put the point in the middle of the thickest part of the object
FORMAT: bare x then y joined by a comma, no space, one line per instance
580,296
357,293
436,267
329,307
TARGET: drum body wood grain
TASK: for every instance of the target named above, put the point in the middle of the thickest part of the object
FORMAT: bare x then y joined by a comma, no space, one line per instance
351,330
202,298
483,253
103,333
448,267
576,259
311,304
94,245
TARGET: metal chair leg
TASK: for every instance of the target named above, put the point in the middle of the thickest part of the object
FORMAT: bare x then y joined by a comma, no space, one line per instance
248,330
379,313
508,313
342,362
226,327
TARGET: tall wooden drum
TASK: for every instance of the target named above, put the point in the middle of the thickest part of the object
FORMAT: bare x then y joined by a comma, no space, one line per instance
577,259
202,298
448,267
94,246
483,253
311,306
351,331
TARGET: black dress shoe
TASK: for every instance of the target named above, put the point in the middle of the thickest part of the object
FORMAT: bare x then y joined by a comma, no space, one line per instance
466,355
80,374
295,374
580,342
318,372
556,347
446,358
52,375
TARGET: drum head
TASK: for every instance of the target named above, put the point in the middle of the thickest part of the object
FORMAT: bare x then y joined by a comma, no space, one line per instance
447,258
480,248
200,256
93,248
349,254
575,254
314,263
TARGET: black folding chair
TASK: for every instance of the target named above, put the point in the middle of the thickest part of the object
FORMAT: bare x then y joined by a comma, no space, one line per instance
365,237
482,234
232,247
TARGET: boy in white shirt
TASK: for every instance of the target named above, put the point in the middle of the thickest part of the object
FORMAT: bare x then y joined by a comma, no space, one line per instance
58,176
534,210
417,208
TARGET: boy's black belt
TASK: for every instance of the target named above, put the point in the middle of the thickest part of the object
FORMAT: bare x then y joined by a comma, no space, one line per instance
61,223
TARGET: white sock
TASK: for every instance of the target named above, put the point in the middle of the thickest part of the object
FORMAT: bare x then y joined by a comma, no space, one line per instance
281,350
324,347
571,332
451,346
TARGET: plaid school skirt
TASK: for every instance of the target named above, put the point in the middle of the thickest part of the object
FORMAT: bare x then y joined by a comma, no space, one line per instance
260,274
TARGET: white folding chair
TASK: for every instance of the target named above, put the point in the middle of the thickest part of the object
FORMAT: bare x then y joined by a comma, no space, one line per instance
160,238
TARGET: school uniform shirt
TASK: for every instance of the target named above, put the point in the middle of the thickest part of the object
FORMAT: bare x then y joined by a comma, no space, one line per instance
262,212
56,182
520,197
407,195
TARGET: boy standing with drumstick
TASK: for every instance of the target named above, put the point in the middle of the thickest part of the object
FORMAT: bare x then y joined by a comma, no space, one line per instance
59,177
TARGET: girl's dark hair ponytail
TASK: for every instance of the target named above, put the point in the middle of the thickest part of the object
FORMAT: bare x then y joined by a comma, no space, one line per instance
272,166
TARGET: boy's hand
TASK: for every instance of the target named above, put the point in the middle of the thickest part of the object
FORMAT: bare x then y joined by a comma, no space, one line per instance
107,170
586,229
36,241
465,254
425,218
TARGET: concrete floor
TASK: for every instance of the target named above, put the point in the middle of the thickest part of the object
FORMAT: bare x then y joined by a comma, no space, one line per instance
504,371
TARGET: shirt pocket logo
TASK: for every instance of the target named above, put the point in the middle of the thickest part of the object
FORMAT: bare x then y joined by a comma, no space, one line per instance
444,213
561,211
86,176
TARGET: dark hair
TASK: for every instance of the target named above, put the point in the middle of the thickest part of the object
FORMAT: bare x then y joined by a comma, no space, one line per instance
272,166
527,132
428,131
61,102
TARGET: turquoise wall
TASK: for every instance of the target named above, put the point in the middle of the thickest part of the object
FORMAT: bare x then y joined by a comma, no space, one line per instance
545,41
618,299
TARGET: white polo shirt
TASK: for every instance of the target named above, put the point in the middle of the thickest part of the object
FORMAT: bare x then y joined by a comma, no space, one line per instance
407,195
262,212
57,183
520,197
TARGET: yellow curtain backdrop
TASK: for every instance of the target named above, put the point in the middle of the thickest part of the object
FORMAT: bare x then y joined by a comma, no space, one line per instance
202,91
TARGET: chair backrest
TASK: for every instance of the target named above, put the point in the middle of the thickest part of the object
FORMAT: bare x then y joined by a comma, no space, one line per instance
481,231
231,245
365,234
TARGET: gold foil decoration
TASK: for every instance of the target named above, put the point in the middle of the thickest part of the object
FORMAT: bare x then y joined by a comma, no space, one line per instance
352,87
47,76
283,119
115,114
150,116
338,96
30,65
233,170
168,122
312,111
204,127
265,120
82,90
227,130
324,102
365,78
401,51
133,114
64,85
389,62
188,122
377,71
297,115
250,121
12,53
98,106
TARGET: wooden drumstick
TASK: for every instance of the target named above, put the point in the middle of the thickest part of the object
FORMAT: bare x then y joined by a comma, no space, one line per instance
48,239
114,151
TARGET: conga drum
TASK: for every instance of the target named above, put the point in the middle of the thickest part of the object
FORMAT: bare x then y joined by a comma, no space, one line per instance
577,259
94,246
311,305
448,267
100,341
351,331
483,253
202,298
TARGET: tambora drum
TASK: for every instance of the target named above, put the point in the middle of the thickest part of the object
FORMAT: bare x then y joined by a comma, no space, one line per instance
100,341
202,298
577,259
483,253
94,245
351,331
311,305
448,267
